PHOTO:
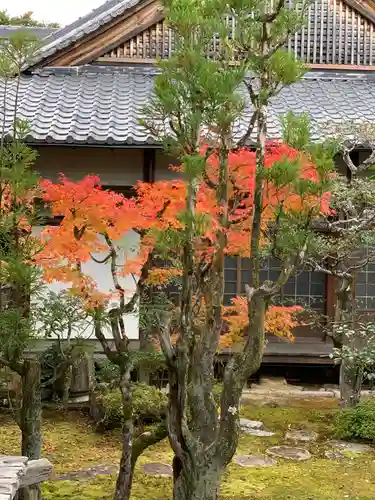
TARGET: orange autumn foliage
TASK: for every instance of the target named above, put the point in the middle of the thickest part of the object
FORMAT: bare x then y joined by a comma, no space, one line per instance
279,321
89,212
242,168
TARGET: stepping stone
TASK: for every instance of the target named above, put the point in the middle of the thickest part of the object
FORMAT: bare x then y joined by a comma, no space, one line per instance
254,461
157,469
250,424
258,432
352,447
334,455
289,452
85,474
301,436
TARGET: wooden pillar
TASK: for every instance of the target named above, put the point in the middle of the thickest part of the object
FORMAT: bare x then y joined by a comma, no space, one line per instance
149,165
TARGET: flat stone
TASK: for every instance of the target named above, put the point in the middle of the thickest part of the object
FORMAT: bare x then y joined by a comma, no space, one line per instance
85,474
273,382
301,436
352,447
157,469
334,455
254,461
250,424
289,452
258,432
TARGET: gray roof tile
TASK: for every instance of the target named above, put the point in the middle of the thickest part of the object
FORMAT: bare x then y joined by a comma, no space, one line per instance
103,105
83,26
41,32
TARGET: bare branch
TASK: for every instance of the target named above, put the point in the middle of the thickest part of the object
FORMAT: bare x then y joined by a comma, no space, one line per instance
98,261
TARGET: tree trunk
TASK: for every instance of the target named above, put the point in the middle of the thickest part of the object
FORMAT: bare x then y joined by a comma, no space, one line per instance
351,376
31,411
198,481
350,384
125,475
30,421
144,346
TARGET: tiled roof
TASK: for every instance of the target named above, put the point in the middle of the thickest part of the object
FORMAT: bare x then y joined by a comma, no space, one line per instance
41,32
83,26
103,105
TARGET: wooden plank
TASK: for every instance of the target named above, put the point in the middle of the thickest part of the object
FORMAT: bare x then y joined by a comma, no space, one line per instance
346,33
135,21
341,67
315,30
353,38
125,60
371,41
321,37
340,32
359,20
308,45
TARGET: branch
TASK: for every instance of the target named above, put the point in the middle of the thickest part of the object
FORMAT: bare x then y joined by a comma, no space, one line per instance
16,366
63,366
272,16
148,438
243,141
4,362
104,342
106,259
164,334
113,257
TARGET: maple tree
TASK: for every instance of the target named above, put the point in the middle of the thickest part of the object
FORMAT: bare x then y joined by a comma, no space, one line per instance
94,221
230,199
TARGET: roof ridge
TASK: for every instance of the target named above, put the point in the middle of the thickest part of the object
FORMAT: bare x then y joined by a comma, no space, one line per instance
145,69
82,26
81,20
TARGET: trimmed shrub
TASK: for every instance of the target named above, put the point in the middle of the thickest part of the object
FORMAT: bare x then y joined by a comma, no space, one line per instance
107,373
357,423
149,405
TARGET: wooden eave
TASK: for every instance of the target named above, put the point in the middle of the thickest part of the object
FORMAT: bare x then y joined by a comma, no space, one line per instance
105,38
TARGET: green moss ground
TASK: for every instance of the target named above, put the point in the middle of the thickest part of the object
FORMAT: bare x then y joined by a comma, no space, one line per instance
71,444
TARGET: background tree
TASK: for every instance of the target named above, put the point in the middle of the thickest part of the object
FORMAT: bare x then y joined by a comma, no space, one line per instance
20,278
195,109
25,19
345,240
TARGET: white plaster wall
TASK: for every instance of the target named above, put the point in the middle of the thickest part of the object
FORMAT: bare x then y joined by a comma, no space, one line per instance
127,248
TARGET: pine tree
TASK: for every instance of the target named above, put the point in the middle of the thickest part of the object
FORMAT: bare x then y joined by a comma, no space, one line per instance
199,98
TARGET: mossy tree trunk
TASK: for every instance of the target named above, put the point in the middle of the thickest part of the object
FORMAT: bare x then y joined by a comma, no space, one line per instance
351,376
125,476
30,420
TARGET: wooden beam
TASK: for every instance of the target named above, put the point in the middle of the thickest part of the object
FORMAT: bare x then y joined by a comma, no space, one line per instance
130,60
118,31
341,67
124,60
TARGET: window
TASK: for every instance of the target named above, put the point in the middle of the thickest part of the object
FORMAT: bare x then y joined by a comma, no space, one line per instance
306,288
